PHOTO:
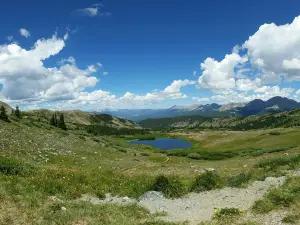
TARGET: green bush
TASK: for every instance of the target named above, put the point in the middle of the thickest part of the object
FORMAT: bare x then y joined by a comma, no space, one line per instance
262,206
239,180
226,213
194,156
171,188
12,167
207,181
293,219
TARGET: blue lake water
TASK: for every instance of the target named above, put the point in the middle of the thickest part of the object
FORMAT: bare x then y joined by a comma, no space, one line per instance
164,143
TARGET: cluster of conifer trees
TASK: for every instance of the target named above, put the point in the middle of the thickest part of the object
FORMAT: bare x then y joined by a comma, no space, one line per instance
4,116
60,123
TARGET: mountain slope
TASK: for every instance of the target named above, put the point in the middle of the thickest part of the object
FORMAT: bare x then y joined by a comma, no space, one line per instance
282,119
255,107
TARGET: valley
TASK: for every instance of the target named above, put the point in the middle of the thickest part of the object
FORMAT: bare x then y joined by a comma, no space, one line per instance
45,171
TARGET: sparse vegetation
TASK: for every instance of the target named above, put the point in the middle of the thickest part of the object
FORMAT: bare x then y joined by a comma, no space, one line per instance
207,181
171,187
227,214
240,180
291,219
283,197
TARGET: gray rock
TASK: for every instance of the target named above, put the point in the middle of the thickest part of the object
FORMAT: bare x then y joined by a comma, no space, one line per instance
151,195
210,170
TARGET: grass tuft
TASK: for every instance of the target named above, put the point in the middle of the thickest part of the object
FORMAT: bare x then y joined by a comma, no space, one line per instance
240,180
171,188
207,181
11,167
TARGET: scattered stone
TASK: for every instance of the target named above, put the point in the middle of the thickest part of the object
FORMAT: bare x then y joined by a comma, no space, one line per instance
108,199
210,170
55,199
152,196
63,208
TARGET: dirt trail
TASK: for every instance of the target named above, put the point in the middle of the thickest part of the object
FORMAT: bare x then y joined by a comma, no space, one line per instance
196,208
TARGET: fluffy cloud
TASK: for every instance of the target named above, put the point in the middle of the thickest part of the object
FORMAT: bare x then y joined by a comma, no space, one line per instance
269,54
275,50
25,33
64,86
25,69
104,73
247,84
220,75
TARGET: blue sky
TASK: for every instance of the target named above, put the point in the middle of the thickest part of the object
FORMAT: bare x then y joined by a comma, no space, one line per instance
150,52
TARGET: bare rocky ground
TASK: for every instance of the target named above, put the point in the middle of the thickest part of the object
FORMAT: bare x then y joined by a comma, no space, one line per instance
198,207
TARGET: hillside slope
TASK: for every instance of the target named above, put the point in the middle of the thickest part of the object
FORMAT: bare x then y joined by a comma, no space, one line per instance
7,107
282,119
78,117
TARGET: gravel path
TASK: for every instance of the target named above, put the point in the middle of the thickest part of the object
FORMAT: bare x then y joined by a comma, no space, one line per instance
200,207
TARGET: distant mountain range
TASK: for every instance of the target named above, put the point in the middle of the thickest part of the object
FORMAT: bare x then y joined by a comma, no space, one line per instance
255,107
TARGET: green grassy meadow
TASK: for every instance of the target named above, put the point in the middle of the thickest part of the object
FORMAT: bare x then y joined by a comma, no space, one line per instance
40,161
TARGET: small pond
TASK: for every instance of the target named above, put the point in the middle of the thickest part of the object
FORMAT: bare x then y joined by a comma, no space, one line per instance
164,143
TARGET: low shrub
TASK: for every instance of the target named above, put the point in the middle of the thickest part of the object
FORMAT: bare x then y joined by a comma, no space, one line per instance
194,156
226,213
11,167
207,181
171,188
293,219
239,180
262,206
144,154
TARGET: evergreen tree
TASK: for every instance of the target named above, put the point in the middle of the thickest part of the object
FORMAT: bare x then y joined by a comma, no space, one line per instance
3,114
17,112
53,120
61,123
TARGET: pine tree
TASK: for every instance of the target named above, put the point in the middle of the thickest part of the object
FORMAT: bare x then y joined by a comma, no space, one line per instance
53,120
61,123
17,112
3,114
